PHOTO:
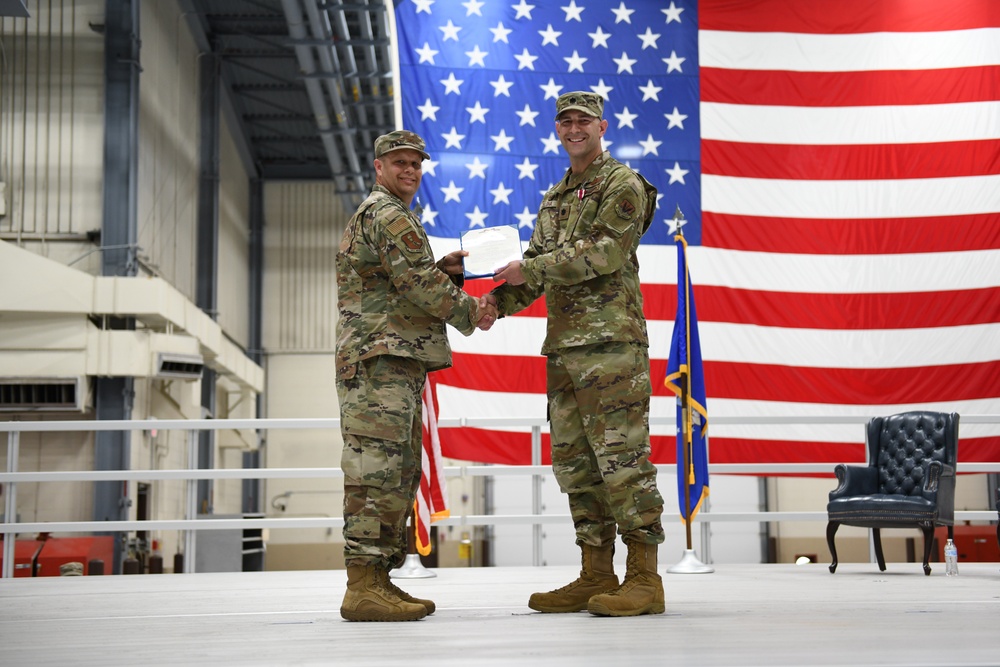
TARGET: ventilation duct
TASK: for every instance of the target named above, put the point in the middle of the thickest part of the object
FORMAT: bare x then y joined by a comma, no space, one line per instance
173,325
178,366
43,394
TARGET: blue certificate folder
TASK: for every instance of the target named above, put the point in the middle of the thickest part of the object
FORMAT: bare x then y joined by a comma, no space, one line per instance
490,248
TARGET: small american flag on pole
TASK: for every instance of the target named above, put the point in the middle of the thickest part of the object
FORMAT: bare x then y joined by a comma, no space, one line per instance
431,503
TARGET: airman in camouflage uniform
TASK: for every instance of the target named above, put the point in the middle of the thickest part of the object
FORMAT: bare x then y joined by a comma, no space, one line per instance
582,257
394,302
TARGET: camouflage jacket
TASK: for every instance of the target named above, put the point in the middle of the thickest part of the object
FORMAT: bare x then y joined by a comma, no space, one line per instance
392,298
582,256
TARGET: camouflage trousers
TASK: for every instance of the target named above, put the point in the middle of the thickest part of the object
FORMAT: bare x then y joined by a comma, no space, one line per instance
380,419
599,422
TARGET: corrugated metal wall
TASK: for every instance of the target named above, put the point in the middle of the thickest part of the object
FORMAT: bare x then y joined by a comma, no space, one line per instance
234,242
304,225
169,172
51,121
168,154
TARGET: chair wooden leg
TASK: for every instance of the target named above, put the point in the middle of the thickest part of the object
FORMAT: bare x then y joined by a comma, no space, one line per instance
831,530
877,539
928,541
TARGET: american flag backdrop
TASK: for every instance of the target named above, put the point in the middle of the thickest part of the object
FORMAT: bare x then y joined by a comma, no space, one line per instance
838,165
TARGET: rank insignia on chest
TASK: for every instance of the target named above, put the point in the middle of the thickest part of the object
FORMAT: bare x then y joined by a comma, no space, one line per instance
412,240
625,209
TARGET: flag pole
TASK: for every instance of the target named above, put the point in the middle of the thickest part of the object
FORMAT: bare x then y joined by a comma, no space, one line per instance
686,470
412,568
689,563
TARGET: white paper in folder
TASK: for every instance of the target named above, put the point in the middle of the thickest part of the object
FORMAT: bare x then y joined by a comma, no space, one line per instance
489,249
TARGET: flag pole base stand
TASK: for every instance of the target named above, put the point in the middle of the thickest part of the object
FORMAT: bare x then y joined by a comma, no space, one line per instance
412,568
690,564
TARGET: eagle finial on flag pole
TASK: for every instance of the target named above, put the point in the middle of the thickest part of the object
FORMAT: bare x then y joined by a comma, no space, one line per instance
677,222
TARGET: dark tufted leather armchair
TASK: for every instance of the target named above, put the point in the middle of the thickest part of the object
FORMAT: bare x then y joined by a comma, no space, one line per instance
998,515
909,481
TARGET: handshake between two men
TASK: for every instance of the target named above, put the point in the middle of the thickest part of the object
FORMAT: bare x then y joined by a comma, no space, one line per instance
511,273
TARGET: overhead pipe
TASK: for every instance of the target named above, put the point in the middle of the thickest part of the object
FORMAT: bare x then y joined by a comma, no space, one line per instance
297,31
371,60
343,34
387,22
330,61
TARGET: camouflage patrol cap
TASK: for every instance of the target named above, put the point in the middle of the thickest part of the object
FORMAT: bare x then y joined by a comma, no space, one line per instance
589,103
74,569
399,140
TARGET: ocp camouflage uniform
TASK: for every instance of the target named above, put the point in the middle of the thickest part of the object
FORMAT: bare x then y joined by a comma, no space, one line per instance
393,303
582,256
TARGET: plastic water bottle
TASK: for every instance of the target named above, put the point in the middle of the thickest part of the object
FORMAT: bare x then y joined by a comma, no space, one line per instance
950,559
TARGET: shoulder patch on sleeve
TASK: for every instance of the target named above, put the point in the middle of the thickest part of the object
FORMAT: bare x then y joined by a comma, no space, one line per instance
624,208
620,210
412,240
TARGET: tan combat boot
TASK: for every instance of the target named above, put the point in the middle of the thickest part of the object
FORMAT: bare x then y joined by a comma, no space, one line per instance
406,597
642,590
369,599
596,576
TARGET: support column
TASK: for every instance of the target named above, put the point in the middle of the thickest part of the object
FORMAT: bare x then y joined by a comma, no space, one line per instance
119,232
252,488
207,278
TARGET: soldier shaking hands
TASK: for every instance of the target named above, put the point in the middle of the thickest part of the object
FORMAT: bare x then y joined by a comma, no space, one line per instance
394,301
582,257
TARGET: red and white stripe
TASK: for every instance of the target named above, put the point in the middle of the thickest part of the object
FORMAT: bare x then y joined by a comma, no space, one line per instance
432,497
850,257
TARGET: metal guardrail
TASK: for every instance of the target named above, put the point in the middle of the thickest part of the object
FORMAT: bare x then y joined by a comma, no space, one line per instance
191,475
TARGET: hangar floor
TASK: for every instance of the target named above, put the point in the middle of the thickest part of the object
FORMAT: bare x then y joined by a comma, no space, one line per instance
738,615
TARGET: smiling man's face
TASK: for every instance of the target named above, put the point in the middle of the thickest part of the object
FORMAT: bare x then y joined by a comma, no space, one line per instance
400,172
580,134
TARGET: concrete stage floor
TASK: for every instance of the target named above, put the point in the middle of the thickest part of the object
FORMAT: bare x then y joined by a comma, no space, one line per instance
738,615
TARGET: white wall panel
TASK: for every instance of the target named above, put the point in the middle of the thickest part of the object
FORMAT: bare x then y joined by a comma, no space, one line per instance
164,450
302,386
304,223
302,233
234,242
168,153
54,452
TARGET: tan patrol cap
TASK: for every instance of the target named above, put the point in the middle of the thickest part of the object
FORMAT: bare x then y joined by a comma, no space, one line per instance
398,140
589,103
74,569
